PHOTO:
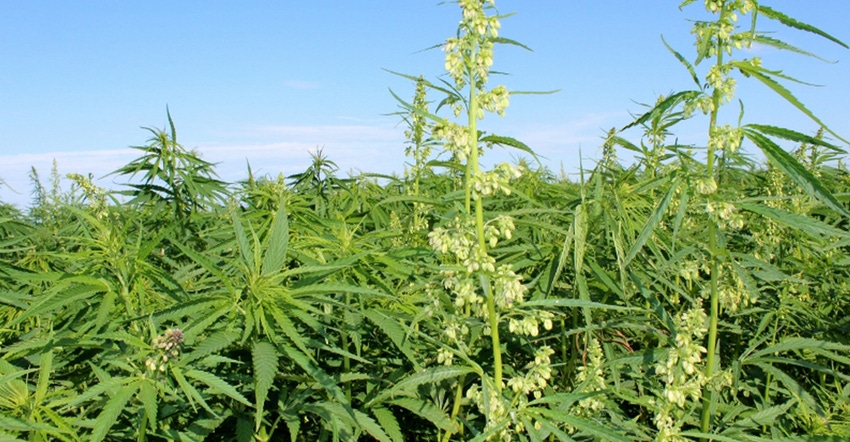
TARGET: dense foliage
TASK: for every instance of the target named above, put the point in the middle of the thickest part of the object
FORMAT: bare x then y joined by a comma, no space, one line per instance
691,294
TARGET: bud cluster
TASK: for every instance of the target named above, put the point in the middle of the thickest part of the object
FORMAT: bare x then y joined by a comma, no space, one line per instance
680,372
473,48
167,347
496,180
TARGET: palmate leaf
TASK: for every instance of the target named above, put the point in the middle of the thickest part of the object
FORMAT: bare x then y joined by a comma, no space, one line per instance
265,359
794,170
319,375
112,410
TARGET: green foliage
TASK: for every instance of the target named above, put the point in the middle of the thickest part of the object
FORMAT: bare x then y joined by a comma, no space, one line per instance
691,295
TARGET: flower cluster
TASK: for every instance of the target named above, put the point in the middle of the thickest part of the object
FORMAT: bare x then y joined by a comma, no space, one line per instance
733,292
496,100
725,138
537,375
473,48
718,78
500,227
167,346
706,185
590,378
455,139
724,214
95,195
496,180
529,324
679,371
491,404
720,33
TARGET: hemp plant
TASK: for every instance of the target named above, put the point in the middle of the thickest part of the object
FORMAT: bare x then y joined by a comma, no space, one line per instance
475,291
715,40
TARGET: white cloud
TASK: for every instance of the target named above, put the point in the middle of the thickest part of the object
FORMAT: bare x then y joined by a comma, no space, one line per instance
270,150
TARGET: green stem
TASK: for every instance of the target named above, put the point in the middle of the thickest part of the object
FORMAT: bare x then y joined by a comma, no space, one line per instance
473,171
456,408
711,361
346,361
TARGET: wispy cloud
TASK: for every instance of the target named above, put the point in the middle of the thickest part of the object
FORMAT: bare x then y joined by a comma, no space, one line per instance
559,142
268,149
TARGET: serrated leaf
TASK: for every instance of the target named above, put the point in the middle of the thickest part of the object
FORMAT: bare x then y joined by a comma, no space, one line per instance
278,243
59,298
148,398
584,426
683,61
573,303
396,333
265,358
426,410
798,343
779,44
792,23
429,375
17,424
792,135
759,75
245,250
663,106
191,393
794,170
509,142
315,372
112,410
810,226
793,387
652,223
217,384
371,427
45,367
388,421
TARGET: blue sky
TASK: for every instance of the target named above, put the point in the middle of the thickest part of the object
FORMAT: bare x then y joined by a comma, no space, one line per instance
267,82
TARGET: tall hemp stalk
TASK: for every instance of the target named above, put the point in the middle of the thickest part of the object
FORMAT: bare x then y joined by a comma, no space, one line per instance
714,40
482,291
